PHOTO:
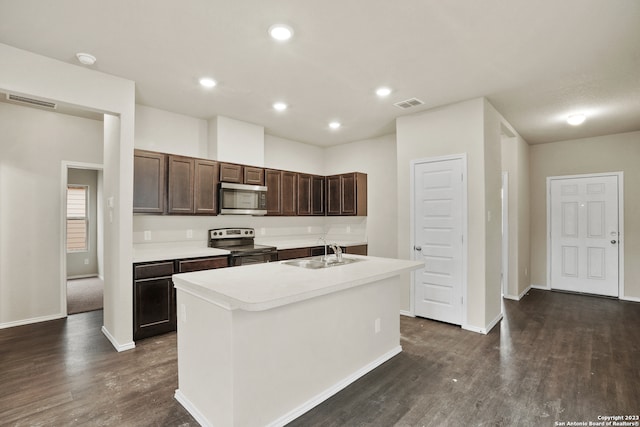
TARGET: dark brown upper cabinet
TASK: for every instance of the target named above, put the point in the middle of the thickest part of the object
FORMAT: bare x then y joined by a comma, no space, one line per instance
181,185
289,193
310,194
318,195
282,192
149,181
347,194
240,174
206,187
253,175
230,172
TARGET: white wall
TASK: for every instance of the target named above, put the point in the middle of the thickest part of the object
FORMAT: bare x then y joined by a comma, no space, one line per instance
235,141
159,130
38,76
375,157
285,154
34,144
448,130
608,153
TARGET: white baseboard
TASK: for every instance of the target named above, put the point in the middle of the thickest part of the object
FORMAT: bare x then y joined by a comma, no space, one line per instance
407,313
119,347
543,287
23,322
632,299
82,276
191,408
486,329
519,297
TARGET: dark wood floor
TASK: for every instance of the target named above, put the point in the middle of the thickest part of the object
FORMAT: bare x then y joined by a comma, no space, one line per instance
554,358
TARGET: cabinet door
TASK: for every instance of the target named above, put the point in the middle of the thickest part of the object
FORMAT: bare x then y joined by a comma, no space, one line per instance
149,182
334,195
273,180
188,265
356,250
317,195
348,194
304,194
284,254
206,186
154,307
289,193
230,172
181,185
253,175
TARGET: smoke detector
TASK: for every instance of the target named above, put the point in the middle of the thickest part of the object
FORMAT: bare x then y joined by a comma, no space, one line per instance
86,58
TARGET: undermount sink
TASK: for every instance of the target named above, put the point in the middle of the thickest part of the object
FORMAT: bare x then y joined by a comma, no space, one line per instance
321,262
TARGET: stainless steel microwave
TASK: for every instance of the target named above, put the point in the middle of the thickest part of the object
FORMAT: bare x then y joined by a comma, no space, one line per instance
242,199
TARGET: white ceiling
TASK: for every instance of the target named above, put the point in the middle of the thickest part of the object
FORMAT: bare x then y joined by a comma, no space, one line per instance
536,61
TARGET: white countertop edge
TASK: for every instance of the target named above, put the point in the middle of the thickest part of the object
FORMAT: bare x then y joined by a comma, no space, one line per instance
170,253
230,303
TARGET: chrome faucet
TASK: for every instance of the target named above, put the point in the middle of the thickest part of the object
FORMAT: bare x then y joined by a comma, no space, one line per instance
337,250
325,246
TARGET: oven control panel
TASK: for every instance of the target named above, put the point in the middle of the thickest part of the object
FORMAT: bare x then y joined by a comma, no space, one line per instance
231,233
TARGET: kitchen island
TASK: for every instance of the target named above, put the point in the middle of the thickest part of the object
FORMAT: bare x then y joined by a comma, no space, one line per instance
262,344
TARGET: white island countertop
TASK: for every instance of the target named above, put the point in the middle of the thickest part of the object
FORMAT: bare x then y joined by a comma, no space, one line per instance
261,287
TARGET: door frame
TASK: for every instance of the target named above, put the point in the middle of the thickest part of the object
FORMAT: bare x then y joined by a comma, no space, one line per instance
620,176
412,225
505,235
65,166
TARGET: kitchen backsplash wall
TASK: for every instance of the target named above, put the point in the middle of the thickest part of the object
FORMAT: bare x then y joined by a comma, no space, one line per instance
150,229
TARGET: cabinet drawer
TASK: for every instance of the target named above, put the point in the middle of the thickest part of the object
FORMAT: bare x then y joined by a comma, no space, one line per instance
185,266
156,269
356,250
293,253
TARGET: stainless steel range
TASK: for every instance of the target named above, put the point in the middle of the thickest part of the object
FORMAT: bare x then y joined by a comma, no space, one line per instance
240,242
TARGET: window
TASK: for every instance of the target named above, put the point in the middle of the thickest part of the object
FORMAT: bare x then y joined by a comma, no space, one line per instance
77,218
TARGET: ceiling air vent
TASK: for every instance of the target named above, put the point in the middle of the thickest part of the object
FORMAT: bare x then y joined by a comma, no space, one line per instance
408,103
31,101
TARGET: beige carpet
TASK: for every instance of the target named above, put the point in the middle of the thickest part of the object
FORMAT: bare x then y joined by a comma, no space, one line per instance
84,295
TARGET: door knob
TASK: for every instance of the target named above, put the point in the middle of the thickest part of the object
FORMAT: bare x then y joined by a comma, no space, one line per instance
613,242
417,248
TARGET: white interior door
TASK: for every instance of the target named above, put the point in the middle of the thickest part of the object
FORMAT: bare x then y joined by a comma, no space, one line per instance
584,234
438,233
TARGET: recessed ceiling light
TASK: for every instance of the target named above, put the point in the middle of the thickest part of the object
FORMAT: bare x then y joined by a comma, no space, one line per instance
280,106
207,82
383,91
281,32
86,58
576,119
334,125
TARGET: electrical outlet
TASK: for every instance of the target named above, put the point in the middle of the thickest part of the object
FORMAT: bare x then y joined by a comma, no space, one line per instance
189,234
86,261
147,235
376,325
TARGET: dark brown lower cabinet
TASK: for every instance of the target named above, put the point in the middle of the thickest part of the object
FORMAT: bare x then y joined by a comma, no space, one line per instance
284,254
154,299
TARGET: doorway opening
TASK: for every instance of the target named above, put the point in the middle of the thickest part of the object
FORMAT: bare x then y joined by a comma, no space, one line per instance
82,225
